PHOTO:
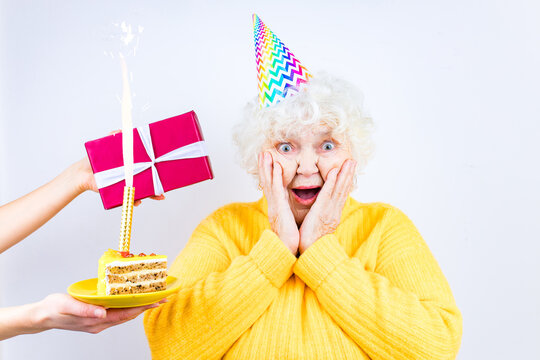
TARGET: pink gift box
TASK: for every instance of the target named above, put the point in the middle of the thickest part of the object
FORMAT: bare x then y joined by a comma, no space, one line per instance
167,135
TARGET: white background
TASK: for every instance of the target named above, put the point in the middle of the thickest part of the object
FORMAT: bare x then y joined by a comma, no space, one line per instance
453,86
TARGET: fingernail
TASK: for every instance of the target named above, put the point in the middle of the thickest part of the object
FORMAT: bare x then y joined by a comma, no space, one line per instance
100,313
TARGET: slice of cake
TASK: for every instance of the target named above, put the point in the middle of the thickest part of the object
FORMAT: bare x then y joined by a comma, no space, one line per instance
121,272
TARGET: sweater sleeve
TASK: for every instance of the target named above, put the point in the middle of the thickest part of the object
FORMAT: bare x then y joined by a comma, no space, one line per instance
403,309
221,295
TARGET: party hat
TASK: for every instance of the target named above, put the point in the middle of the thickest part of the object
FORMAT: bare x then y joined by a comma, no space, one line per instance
280,74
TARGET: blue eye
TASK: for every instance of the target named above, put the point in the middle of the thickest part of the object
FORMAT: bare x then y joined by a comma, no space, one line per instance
284,147
328,145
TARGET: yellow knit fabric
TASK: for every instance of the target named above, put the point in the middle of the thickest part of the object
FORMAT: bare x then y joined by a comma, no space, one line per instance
371,290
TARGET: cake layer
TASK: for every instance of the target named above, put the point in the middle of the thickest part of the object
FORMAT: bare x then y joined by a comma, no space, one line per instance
137,276
123,268
138,288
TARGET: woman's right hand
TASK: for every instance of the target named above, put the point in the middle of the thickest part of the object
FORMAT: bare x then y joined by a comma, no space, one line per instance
279,212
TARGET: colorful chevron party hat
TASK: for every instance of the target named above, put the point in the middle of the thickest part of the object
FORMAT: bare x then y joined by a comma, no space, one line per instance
280,74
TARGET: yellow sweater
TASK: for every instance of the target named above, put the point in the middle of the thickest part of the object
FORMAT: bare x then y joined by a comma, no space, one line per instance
370,290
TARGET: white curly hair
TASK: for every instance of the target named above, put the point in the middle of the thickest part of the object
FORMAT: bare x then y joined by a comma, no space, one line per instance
323,100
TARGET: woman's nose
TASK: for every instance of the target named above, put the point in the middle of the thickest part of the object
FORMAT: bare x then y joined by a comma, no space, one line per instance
307,163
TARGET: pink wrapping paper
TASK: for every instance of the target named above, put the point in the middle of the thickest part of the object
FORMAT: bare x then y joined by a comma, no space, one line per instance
167,135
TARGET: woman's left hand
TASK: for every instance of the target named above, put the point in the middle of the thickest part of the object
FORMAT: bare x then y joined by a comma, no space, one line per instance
325,214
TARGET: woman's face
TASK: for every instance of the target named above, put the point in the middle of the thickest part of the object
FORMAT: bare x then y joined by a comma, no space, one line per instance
306,160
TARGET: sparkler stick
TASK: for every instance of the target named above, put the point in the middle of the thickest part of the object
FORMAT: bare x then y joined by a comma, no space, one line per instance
127,150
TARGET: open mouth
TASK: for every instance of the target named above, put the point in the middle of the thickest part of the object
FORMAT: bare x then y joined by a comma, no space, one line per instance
306,195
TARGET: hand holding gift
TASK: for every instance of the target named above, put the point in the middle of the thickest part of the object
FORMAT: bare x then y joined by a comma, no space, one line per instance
85,176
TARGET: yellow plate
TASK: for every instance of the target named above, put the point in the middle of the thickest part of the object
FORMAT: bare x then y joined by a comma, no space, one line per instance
86,291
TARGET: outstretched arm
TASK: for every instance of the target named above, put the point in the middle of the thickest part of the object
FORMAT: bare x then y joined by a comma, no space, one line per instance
61,311
23,216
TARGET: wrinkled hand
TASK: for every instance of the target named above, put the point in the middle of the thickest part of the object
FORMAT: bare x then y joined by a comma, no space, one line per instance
279,212
324,216
61,311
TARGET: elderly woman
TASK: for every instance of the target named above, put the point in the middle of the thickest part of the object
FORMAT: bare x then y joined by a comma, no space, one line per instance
306,272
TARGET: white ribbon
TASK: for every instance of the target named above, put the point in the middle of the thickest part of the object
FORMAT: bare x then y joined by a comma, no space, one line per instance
115,175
